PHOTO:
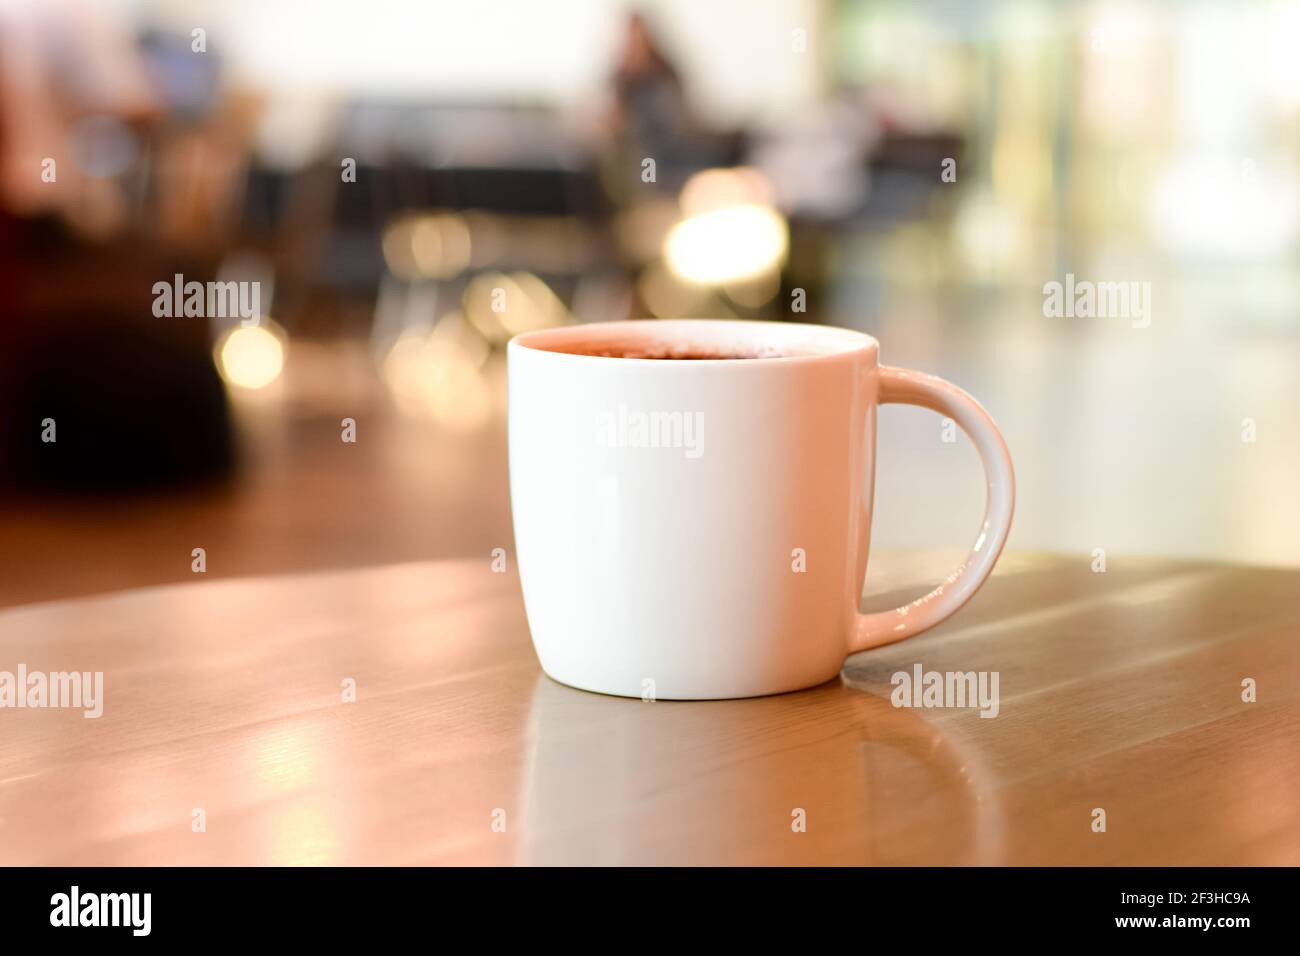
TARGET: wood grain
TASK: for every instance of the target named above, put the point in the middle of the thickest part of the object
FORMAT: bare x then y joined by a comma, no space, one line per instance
1119,691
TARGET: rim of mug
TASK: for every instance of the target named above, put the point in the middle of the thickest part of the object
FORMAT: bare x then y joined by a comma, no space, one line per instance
838,341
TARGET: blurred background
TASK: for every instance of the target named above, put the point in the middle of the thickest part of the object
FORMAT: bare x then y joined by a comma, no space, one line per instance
410,184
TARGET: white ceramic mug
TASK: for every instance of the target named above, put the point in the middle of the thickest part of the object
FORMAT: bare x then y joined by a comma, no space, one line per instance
698,528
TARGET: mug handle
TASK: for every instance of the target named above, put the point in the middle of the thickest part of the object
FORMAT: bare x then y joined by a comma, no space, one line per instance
901,386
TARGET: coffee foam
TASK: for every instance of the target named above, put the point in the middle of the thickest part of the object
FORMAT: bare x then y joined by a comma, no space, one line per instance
678,351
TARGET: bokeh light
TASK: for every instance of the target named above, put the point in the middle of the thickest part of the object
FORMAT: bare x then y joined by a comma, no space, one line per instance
427,246
251,357
438,375
501,305
727,245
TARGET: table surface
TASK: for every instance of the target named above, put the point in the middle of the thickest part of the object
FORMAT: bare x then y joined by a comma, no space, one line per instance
1120,691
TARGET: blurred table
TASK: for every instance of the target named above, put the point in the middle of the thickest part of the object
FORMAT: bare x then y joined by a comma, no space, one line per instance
1120,691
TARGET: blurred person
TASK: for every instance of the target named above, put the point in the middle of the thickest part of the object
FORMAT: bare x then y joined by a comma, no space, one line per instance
649,116
89,377
72,87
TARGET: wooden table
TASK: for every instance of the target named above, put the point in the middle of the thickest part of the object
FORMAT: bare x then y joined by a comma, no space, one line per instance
1120,691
